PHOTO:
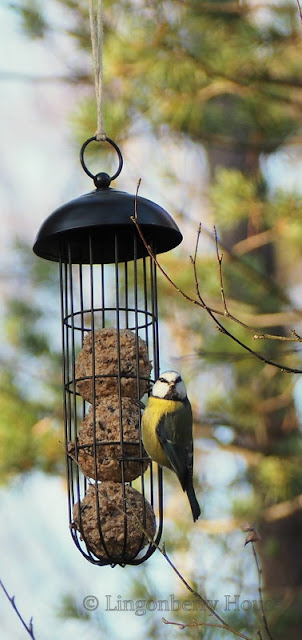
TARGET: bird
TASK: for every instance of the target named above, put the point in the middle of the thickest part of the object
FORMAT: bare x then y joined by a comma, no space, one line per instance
167,431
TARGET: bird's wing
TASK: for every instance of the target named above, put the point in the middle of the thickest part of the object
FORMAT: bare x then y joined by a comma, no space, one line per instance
179,454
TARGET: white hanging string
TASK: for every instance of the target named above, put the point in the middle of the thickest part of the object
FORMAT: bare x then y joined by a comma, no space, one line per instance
97,36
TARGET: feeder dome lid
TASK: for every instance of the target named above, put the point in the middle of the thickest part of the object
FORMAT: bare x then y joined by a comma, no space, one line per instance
97,227
104,215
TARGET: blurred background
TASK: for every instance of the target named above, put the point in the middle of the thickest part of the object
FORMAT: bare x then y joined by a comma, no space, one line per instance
205,101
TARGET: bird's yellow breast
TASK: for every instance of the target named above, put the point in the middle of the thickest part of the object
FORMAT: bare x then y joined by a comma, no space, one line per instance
155,410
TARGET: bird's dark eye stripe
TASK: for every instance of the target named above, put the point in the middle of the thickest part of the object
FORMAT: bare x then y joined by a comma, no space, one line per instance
178,379
163,380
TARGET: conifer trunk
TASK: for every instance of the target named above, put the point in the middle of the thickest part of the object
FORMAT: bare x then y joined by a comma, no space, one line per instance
280,538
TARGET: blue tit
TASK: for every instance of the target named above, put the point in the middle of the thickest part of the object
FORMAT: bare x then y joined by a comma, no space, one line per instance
167,431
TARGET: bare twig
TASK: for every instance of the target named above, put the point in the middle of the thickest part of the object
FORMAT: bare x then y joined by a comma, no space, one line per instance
183,625
201,303
271,319
136,194
162,550
299,9
214,312
257,336
196,280
195,623
259,571
222,625
219,259
29,628
267,282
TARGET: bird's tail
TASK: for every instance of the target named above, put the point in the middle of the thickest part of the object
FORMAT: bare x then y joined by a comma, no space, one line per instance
193,501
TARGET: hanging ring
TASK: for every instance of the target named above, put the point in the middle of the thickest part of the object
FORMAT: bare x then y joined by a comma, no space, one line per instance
101,179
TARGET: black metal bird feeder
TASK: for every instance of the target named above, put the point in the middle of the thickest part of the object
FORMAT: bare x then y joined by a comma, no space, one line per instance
110,358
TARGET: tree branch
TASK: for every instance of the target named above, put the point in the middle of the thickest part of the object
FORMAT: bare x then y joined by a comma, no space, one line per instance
29,628
259,571
254,242
73,78
283,509
199,302
195,623
258,276
257,336
162,550
252,537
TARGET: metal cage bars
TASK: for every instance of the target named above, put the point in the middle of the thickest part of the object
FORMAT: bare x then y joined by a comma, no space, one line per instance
122,295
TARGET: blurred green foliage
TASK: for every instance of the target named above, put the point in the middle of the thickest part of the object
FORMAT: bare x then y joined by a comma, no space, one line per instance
226,75
30,390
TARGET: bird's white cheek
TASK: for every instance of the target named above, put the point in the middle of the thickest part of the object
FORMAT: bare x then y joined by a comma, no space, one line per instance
160,390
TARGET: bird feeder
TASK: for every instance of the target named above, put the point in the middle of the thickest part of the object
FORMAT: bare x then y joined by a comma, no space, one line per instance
110,340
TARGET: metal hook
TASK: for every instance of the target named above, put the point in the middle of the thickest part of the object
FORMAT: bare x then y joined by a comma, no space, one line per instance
101,179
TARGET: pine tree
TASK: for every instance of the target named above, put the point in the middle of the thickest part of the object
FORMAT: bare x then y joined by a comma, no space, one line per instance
226,75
